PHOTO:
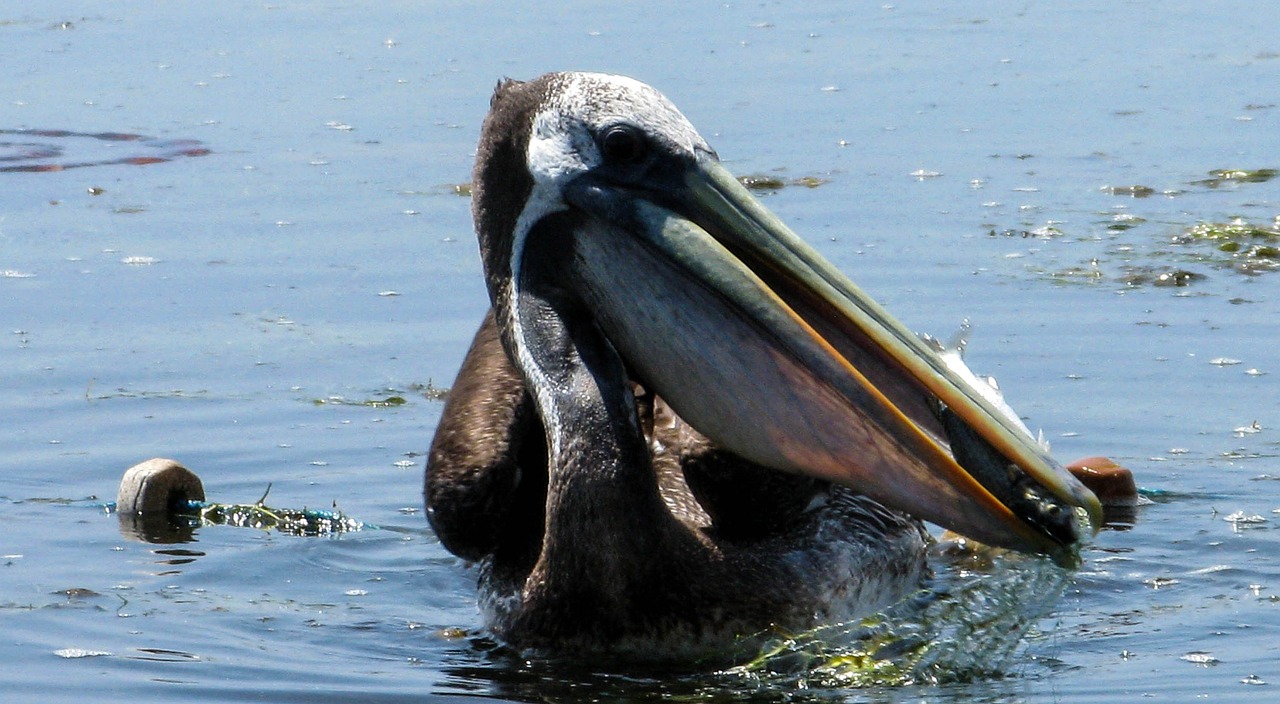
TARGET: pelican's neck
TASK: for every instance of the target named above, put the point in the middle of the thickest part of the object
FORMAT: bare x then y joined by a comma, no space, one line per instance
608,536
602,494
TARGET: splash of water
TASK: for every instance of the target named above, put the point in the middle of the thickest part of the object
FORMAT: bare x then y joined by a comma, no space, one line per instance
967,623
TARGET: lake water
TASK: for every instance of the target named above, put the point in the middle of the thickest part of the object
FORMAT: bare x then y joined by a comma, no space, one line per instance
281,240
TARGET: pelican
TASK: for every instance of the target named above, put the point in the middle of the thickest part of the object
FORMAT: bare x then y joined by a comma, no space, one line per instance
679,426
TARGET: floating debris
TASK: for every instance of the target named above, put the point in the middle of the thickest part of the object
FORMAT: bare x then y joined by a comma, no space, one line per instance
157,487
306,522
1045,232
159,500
1131,191
1201,658
74,653
76,593
1240,519
430,391
1249,429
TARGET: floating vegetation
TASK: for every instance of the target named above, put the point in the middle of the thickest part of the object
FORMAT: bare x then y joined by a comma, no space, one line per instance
1221,177
761,182
1159,276
390,401
388,398
1124,221
1250,248
1186,258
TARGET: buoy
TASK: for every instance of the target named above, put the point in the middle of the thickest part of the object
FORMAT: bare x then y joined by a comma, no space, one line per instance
156,487
1112,483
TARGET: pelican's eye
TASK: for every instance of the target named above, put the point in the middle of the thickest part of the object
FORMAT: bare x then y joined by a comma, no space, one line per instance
623,144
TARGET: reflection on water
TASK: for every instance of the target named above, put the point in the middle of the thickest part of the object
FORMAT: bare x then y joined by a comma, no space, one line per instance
35,150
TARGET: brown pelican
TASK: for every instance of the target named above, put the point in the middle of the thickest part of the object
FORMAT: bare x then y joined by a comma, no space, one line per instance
679,424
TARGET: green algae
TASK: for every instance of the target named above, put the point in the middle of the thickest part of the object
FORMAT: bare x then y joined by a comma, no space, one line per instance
765,182
1221,177
384,402
388,398
1192,254
1242,245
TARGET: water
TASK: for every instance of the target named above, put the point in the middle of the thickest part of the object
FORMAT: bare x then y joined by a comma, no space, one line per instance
202,308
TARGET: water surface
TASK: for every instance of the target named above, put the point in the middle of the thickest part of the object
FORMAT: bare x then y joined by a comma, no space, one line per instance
233,309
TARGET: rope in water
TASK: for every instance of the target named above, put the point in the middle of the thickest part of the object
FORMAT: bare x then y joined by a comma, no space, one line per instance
162,489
